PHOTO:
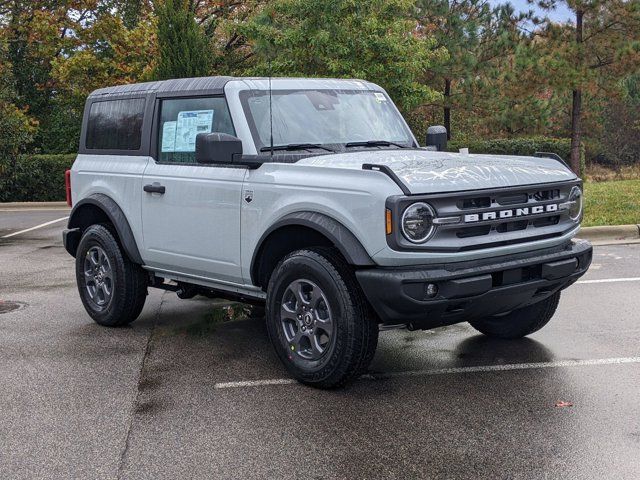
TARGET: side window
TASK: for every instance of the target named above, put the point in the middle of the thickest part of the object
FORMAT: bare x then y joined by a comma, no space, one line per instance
115,124
182,119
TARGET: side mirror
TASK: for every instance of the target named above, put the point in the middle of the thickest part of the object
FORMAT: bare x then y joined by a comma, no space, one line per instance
217,148
437,137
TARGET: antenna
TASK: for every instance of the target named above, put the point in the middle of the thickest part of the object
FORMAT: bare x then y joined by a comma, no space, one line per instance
270,112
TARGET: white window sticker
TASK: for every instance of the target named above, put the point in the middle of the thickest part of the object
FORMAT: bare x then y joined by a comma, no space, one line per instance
380,97
168,137
189,125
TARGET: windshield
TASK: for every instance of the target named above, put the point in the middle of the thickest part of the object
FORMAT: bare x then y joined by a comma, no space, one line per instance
302,118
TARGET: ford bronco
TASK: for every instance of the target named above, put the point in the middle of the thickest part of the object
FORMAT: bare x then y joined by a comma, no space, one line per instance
314,198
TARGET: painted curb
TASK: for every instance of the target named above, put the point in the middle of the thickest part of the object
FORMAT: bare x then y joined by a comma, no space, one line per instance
34,206
614,233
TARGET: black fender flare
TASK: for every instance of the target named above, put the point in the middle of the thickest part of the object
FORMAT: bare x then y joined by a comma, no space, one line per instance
343,239
78,220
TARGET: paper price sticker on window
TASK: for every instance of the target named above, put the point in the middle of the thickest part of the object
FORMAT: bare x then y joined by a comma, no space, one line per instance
188,125
169,137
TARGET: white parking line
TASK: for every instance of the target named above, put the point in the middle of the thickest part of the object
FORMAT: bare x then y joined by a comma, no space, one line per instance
611,280
255,383
448,371
35,228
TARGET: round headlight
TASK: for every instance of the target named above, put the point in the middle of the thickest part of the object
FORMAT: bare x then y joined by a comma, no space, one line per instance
417,222
575,203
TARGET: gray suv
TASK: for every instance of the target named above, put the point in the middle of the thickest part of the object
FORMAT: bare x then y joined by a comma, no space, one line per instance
313,198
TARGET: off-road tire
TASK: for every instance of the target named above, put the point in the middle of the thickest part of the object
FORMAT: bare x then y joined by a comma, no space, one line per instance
355,333
521,322
129,282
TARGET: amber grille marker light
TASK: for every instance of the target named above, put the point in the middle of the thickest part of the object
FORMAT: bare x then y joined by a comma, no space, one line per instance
389,223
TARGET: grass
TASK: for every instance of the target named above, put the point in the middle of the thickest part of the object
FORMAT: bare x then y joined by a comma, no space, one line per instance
611,203
599,173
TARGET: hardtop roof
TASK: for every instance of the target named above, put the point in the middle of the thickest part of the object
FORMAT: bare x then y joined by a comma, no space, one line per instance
191,86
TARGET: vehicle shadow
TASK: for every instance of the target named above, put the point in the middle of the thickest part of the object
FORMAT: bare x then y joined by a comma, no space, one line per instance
226,342
456,346
485,350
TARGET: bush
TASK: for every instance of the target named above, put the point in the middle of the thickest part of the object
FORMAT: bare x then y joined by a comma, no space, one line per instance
36,178
16,133
516,146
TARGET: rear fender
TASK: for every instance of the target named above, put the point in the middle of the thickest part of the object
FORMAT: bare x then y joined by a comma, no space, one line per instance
99,208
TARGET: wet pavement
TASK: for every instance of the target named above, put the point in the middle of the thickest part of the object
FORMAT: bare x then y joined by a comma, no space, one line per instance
183,393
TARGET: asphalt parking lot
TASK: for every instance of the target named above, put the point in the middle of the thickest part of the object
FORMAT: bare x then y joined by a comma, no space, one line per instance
180,394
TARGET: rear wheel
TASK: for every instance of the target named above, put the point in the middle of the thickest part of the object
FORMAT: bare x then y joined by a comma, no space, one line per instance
318,319
112,288
521,322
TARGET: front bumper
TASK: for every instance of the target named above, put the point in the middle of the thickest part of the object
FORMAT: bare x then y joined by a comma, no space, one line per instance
471,290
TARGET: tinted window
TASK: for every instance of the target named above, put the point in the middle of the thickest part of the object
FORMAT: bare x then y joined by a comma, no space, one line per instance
115,124
182,119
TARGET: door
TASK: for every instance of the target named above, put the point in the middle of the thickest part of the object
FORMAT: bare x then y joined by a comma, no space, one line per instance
191,212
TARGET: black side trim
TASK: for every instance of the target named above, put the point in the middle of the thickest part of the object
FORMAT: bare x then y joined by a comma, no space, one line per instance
71,240
345,241
81,217
388,172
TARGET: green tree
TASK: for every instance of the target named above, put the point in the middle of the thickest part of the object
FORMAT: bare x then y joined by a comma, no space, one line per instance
43,38
222,22
103,53
590,54
620,137
479,38
183,47
16,126
34,33
371,39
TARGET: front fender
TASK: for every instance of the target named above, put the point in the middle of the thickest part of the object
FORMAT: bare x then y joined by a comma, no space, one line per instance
345,241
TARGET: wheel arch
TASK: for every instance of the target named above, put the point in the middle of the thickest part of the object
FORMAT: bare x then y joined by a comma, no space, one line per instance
100,208
299,230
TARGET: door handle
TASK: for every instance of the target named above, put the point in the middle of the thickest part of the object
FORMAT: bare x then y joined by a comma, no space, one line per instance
155,187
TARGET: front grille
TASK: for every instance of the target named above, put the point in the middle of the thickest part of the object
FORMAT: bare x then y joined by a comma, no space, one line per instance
522,224
473,203
512,226
543,195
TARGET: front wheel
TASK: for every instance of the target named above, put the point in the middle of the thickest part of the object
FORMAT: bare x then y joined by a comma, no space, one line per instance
521,322
112,288
318,319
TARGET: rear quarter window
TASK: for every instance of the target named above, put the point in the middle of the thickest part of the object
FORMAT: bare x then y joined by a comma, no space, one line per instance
115,124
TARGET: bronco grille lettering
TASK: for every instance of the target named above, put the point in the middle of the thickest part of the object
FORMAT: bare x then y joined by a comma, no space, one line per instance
509,213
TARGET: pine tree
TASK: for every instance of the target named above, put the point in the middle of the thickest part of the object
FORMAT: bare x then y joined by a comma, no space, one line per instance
589,54
478,38
184,49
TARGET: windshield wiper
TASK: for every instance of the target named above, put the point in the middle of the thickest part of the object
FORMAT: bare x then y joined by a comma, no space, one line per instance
296,146
375,143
